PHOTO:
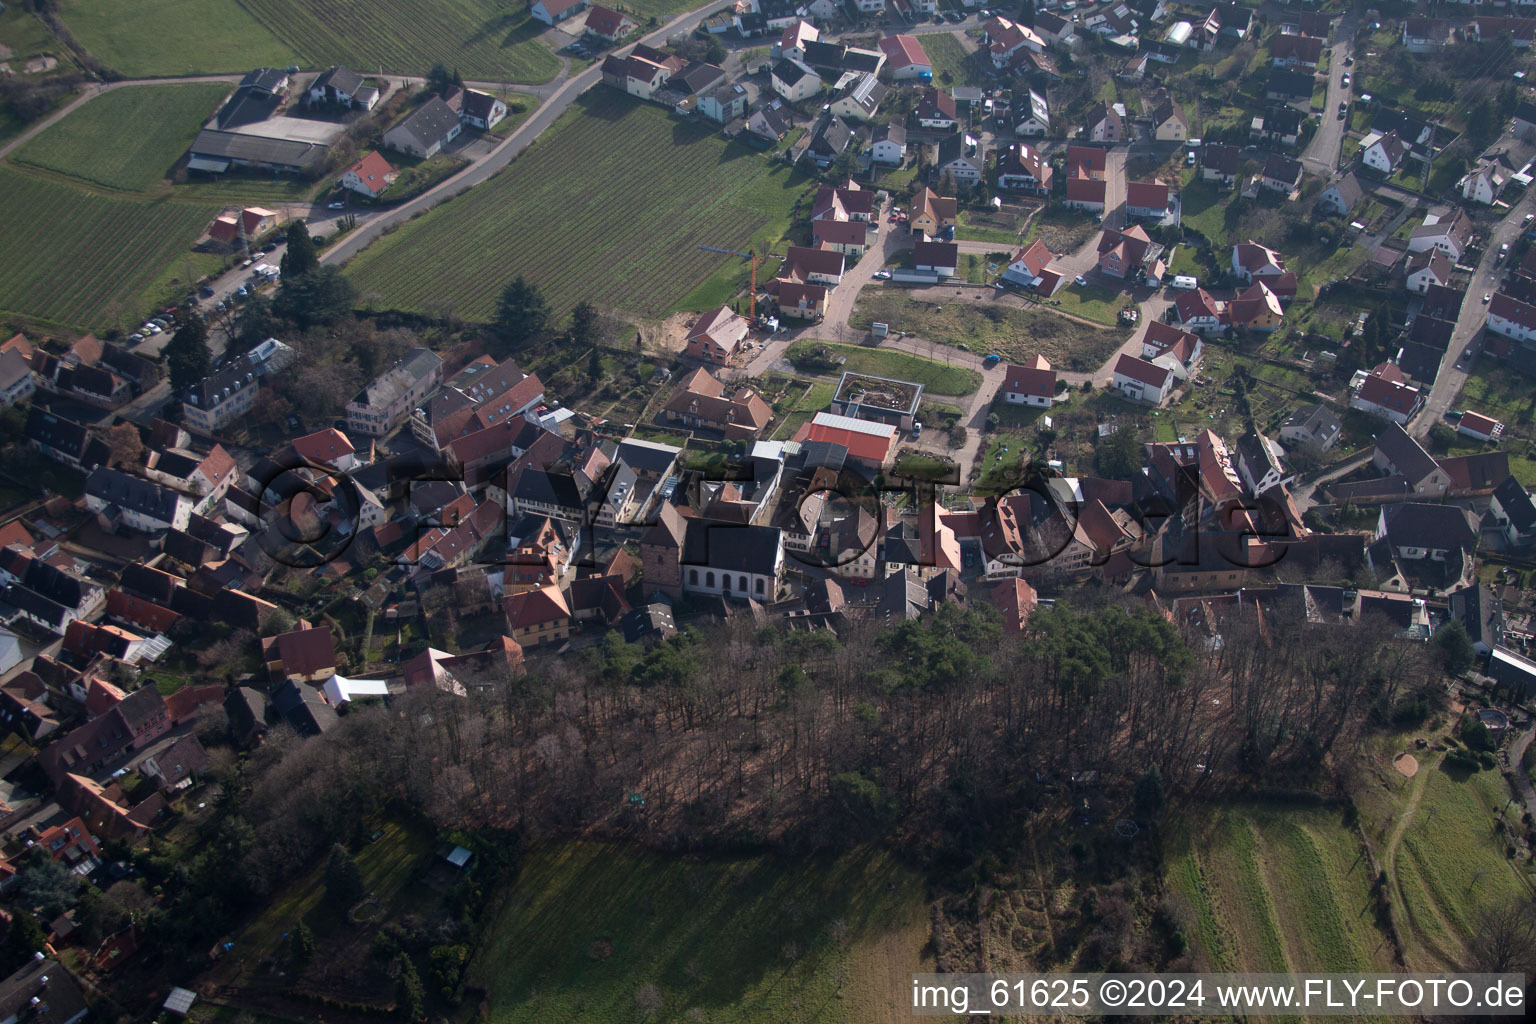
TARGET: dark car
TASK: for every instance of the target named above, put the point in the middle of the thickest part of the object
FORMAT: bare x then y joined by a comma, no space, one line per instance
205,291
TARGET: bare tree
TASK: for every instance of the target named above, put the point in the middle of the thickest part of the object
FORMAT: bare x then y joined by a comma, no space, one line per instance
1504,940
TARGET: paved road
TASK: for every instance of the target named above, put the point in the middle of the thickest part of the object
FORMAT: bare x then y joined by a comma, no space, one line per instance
1465,340
1322,153
551,109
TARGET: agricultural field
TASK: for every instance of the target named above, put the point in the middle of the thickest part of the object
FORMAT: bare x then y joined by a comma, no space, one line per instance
1013,332
174,37
126,139
609,206
935,377
1276,888
588,928
91,261
484,39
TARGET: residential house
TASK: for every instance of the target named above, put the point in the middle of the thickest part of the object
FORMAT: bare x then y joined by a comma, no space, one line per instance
829,140
1032,383
792,42
370,176
480,109
889,144
1385,154
133,723
730,560
16,382
859,99
1220,163
1427,267
608,25
905,58
1341,195
942,258
1166,345
637,75
302,655
1450,233
426,130
1400,453
1384,393
687,85
1481,613
701,403
134,502
839,238
1427,35
1311,426
553,12
390,398
247,225
1256,308
716,336
725,104
1169,123
1142,381
1417,531
1260,462
870,445
1003,38
1103,123
1281,174
1277,126
1035,119
1295,51
795,80
1514,511
340,86
1121,253
1147,199
1195,310
537,617
1253,262
1510,318
817,266
931,213
1086,194
1484,183
1290,86
801,301
936,109
1028,265
1055,30
956,162
846,203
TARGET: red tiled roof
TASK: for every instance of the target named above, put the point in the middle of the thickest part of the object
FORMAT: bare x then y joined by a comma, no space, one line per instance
1195,303
1035,258
870,447
903,51
842,232
1085,190
605,22
1087,158
324,446
304,651
1513,310
374,170
1035,378
1139,369
1477,421
536,607
1389,394
1151,195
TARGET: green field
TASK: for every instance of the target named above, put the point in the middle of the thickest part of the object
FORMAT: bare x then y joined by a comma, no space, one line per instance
128,138
950,58
483,39
82,260
174,37
609,206
938,378
588,927
1276,888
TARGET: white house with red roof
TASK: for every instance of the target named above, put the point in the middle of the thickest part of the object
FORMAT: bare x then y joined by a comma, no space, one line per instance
816,266
1028,264
802,301
1385,153
609,25
716,336
1384,393
1141,381
1121,252
1022,168
1004,38
1166,345
1085,194
849,237
1427,267
792,42
1511,318
1475,424
1450,233
370,176
553,12
329,447
1147,199
848,202
1033,383
905,58
1195,310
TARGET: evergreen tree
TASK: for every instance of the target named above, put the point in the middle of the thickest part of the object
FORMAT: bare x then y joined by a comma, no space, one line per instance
522,315
1455,647
22,939
303,943
584,326
300,257
321,296
1149,796
343,880
187,357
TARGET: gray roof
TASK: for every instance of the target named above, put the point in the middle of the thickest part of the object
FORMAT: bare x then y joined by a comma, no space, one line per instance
430,124
1317,420
59,1000
750,549
1516,503
133,493
1405,453
217,145
1348,188
411,367
1480,612
341,79
268,79
831,138
789,71
218,387
892,131
1290,83
1413,524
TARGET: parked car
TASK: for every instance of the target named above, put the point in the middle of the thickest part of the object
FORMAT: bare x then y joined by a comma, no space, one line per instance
340,205
1487,297
240,291
1349,61
1080,281
1345,79
205,291
991,360
882,275
134,339
1189,159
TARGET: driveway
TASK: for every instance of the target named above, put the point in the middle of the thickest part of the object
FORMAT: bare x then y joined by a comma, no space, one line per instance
1322,153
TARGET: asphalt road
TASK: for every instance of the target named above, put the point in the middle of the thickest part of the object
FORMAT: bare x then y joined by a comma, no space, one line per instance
1322,153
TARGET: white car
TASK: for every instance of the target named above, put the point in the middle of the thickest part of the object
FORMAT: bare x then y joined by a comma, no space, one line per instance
1487,297
1345,79
1080,281
154,328
336,206
882,275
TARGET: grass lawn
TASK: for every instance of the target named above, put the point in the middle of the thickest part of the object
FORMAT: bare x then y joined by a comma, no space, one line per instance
935,377
484,39
1276,888
808,402
949,58
1185,262
1205,209
1095,302
610,205
90,261
1506,394
586,926
1004,227
244,188
1012,332
174,37
519,106
126,139
1061,230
